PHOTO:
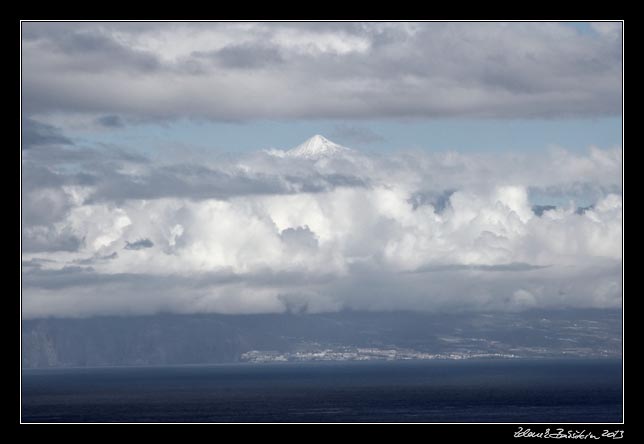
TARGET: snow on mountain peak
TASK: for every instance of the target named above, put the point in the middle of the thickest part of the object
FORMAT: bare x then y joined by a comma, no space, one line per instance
315,147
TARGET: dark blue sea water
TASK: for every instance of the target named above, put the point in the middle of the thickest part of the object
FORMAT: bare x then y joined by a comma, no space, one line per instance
520,391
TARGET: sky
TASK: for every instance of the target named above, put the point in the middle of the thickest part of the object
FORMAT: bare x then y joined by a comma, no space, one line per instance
481,168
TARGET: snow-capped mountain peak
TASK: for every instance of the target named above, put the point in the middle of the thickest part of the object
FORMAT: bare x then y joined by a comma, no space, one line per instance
317,146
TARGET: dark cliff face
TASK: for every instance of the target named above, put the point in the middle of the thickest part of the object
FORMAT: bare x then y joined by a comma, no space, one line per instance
154,340
209,339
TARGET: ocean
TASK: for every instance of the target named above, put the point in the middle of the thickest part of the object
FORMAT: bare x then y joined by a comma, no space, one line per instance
464,391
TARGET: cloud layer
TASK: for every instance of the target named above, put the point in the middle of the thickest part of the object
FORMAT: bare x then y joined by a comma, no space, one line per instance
106,232
237,71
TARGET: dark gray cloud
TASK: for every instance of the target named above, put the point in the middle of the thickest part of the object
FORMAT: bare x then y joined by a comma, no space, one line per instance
168,183
74,276
300,238
46,239
245,56
93,50
198,182
96,259
44,206
36,175
438,199
84,275
49,148
139,244
36,133
540,209
111,121
463,289
34,263
321,70
514,266
83,291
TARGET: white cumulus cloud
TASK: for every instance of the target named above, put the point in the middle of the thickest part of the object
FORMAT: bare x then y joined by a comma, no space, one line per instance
402,231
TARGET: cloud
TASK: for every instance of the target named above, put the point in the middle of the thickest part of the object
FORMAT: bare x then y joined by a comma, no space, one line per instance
35,133
245,56
240,71
259,233
40,239
514,266
96,258
108,231
110,121
299,238
93,50
612,29
523,298
139,244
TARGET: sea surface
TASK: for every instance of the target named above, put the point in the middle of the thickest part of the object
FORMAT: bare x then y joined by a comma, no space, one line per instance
473,391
